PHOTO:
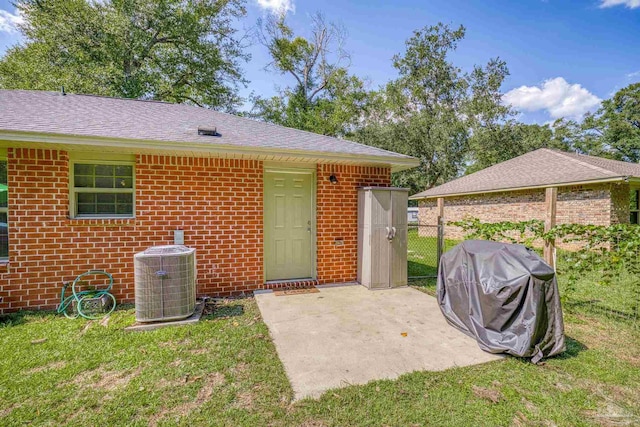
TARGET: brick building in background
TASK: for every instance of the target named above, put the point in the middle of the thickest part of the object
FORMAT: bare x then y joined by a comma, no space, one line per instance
86,182
588,190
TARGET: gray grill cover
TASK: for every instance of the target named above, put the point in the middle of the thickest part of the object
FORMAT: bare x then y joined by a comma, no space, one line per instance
505,296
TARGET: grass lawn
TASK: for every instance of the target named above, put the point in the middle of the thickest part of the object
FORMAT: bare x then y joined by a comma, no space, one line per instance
224,371
422,253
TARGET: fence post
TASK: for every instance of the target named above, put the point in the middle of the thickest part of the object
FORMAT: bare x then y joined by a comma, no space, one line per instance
550,201
440,208
440,242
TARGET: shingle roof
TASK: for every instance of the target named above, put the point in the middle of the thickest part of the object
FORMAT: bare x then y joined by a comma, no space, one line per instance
97,116
538,168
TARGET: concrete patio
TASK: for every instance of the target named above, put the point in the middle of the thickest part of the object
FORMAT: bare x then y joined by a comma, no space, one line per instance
349,335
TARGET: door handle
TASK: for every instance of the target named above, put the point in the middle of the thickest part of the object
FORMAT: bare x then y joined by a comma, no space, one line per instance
391,233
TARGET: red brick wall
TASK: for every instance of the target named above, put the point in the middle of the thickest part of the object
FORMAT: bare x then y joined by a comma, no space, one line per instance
217,202
337,218
601,204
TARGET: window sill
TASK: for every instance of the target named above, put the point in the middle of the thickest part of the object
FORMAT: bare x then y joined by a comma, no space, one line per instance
102,221
101,217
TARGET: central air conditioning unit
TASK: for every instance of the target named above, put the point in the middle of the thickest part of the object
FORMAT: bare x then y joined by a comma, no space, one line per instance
165,283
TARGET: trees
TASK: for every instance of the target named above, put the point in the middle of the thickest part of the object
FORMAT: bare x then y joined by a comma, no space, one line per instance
511,139
615,128
418,113
432,110
173,50
612,132
324,98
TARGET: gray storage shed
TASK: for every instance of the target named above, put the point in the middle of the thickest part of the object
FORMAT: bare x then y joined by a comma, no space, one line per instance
382,237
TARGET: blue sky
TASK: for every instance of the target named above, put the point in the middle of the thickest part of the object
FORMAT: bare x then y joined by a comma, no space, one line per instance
564,55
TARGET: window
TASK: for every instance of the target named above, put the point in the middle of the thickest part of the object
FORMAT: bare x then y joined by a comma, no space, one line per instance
101,189
634,206
4,212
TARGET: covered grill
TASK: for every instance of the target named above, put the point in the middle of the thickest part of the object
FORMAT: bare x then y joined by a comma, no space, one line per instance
503,295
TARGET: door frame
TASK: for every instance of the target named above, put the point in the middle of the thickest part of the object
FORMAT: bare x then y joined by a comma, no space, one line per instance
305,169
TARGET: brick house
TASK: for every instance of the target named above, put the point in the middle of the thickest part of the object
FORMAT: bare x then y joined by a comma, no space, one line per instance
89,181
582,189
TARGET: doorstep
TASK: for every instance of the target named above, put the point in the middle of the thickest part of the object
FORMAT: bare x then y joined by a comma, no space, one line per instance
290,284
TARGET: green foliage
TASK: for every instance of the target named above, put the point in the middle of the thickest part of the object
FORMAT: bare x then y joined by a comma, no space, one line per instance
606,250
172,50
617,125
613,132
324,98
430,109
505,140
525,232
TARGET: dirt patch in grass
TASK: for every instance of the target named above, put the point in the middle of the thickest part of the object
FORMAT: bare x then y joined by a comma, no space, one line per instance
529,406
6,411
175,363
178,382
105,380
313,423
244,400
48,367
241,370
598,334
612,415
563,387
211,382
630,395
490,394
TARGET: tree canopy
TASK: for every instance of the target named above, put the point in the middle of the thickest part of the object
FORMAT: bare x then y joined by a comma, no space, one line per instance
173,50
431,108
614,131
324,97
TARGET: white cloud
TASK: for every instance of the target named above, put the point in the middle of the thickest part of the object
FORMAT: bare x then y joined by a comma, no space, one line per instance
633,75
277,6
556,96
9,22
631,4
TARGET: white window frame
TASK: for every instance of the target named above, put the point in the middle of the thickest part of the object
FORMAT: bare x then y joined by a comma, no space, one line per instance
3,158
105,159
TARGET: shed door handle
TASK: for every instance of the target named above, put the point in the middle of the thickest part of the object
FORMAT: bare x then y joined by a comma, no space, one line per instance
391,233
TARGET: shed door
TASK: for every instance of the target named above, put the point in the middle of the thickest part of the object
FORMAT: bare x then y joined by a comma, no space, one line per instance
288,213
399,243
381,249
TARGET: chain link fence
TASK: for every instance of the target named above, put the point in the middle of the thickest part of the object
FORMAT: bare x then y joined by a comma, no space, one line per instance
597,267
603,280
424,246
600,275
